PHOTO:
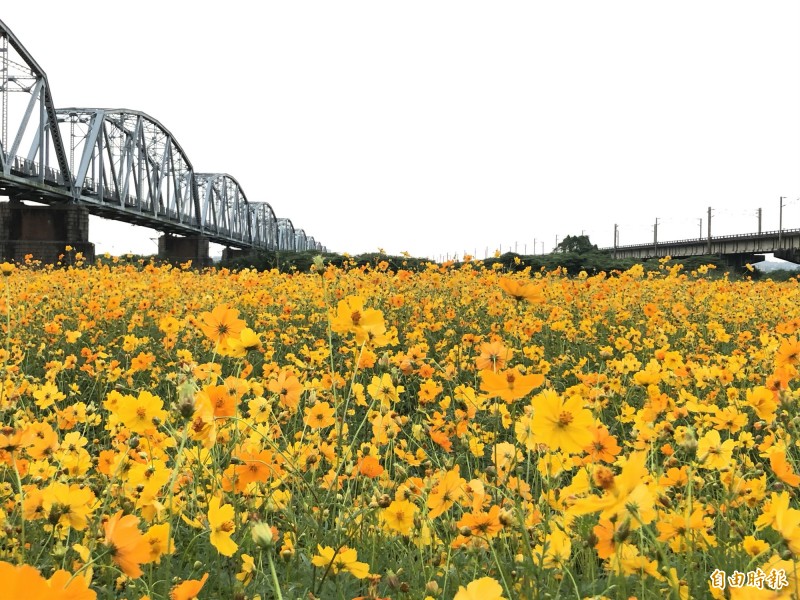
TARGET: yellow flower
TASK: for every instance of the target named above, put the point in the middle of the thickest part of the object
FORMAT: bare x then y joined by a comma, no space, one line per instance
352,317
399,516
248,569
141,414
345,559
220,519
714,453
158,539
561,424
484,588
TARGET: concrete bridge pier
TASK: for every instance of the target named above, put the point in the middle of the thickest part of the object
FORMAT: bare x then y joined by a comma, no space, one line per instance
229,253
44,232
790,254
180,249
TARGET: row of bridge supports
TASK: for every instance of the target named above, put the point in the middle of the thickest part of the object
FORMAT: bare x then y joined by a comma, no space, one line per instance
45,232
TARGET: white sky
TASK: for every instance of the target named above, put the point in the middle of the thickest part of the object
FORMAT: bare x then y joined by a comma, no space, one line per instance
440,127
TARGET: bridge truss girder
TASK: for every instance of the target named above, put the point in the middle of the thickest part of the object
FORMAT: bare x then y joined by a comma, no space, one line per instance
120,164
31,149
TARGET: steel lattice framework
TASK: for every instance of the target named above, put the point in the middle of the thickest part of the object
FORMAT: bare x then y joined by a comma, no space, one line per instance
121,164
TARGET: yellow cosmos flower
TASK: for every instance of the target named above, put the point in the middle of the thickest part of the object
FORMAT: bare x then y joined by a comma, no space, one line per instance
484,588
220,520
140,414
561,424
343,560
399,516
712,452
352,317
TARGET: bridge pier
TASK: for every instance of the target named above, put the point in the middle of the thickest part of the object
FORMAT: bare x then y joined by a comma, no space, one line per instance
181,249
229,253
790,254
44,232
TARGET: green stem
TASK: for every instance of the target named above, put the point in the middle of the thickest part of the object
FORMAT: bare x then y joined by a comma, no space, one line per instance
275,583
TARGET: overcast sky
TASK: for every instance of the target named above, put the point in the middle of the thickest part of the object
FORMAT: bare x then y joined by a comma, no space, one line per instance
440,127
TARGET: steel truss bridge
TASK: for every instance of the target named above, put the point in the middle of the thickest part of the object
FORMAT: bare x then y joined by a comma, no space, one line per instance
120,164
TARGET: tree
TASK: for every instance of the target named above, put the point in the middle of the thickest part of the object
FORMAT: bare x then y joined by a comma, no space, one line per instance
576,244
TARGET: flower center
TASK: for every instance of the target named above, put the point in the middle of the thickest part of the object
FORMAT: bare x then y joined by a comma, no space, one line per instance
565,418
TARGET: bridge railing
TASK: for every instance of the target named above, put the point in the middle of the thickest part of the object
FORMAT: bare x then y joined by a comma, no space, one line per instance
719,238
22,167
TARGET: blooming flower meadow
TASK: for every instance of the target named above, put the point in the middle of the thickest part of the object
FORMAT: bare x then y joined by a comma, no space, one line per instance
360,432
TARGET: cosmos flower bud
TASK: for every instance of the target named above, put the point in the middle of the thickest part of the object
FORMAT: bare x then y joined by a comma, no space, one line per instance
262,535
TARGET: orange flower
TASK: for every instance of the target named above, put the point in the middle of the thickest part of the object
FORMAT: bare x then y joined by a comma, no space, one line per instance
509,385
188,590
493,356
129,548
23,581
483,524
446,493
603,447
370,467
320,416
522,291
288,387
221,324
788,353
784,471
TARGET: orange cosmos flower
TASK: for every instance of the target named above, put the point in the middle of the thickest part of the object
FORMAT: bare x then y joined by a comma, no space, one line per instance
522,291
23,581
446,493
781,468
320,416
603,446
509,385
369,467
483,524
494,356
189,589
223,402
788,353
221,324
288,387
128,546
763,401
65,586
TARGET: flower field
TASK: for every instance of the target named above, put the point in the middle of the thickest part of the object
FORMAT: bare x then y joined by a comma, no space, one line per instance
458,432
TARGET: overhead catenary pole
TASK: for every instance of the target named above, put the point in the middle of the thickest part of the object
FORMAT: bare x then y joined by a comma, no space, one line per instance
780,224
655,237
758,212
700,220
616,237
709,230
